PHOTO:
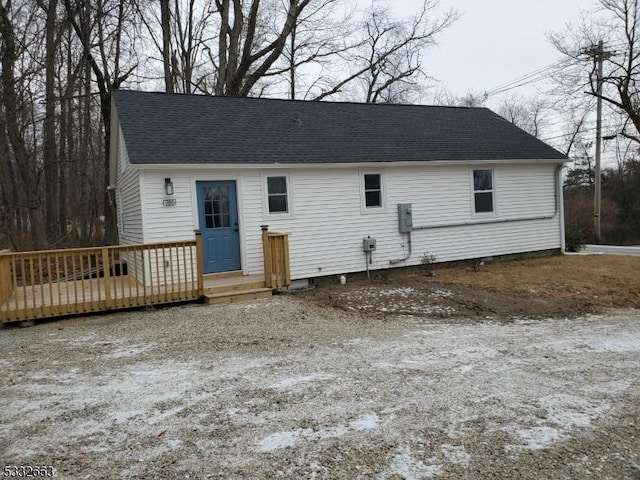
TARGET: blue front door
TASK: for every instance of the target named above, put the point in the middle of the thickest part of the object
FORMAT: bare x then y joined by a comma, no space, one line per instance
218,216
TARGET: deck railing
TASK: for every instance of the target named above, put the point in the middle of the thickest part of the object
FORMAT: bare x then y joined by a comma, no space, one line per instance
63,282
275,247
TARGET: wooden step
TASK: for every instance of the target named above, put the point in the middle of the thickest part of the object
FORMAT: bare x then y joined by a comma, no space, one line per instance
237,296
234,287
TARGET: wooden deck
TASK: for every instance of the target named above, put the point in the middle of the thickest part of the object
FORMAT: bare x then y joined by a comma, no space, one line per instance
89,295
54,283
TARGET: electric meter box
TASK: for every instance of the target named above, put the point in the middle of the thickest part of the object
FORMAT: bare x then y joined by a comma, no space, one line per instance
405,217
369,244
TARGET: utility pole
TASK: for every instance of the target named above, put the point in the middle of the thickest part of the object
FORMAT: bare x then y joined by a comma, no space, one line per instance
599,57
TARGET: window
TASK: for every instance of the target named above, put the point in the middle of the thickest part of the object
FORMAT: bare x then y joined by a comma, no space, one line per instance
372,190
483,190
216,207
277,194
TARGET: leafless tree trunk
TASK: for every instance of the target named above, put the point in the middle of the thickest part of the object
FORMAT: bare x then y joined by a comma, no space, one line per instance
107,75
26,166
241,61
51,166
165,16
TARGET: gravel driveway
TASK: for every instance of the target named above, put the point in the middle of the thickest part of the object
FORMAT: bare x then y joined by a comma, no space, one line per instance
287,388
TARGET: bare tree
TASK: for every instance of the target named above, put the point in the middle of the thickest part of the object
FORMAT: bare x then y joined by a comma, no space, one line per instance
469,99
530,114
51,164
186,28
387,63
617,24
319,39
18,114
244,56
99,27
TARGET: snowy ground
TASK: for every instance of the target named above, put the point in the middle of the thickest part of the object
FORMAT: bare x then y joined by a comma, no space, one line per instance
284,388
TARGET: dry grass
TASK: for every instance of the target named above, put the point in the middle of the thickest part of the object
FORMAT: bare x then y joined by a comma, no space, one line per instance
599,280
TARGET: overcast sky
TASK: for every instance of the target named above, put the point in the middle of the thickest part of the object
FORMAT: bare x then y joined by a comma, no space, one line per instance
495,41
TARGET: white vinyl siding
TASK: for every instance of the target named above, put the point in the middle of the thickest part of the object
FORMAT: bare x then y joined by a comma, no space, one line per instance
326,235
129,204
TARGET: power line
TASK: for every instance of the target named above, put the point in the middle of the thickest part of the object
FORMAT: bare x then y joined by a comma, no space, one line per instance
532,77
546,72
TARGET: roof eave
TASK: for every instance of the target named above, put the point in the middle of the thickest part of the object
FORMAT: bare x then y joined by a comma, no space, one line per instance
250,166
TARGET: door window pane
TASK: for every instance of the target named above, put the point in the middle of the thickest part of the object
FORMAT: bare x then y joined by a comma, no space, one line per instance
216,207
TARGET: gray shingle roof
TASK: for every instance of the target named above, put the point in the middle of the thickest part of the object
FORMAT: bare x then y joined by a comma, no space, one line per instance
161,128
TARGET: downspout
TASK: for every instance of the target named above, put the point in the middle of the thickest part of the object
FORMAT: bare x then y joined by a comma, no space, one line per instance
560,201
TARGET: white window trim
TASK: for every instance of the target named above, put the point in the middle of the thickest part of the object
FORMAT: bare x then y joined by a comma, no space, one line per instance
266,214
493,213
383,192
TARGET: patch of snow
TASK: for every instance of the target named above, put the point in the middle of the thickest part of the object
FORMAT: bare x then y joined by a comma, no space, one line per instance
279,440
76,341
130,350
396,291
409,468
173,443
166,414
441,293
564,413
464,368
290,438
627,344
609,387
535,438
253,305
366,422
234,412
357,342
569,411
294,381
124,416
456,454
472,353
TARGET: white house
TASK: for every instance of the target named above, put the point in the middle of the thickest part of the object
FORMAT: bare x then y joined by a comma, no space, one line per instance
458,183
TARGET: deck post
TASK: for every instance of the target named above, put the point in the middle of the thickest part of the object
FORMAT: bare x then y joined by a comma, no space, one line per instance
199,263
266,254
6,279
107,277
287,266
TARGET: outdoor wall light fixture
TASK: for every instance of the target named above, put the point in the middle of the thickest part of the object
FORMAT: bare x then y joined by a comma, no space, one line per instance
168,186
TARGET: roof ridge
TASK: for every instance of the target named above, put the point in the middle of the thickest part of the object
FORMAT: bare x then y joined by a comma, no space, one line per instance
298,100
